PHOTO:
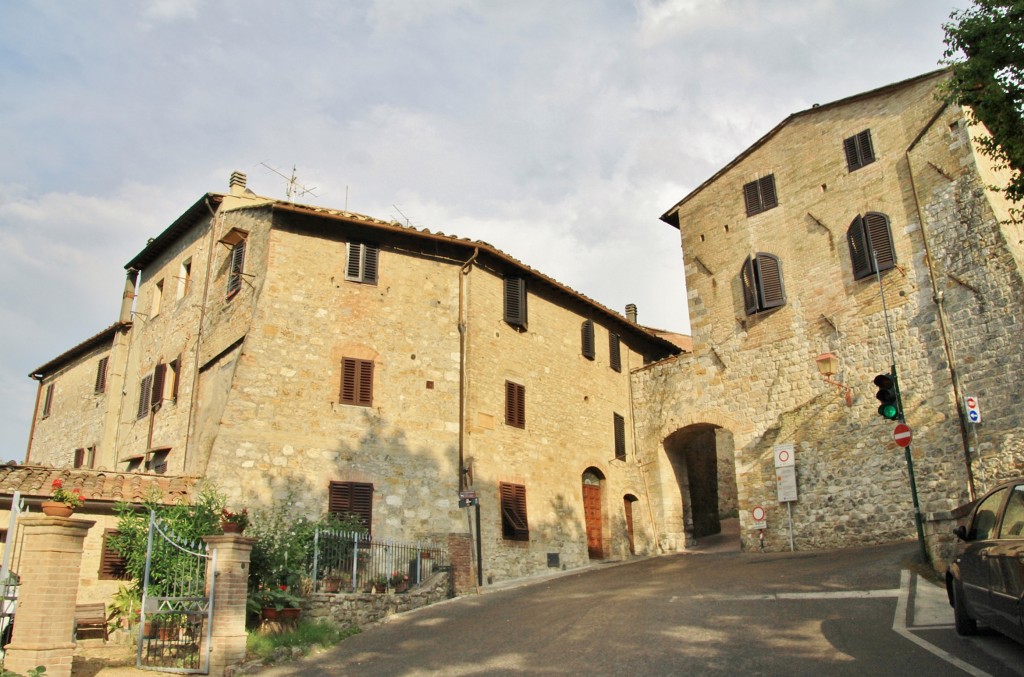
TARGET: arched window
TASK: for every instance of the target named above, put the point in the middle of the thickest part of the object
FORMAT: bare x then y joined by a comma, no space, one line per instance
762,283
870,240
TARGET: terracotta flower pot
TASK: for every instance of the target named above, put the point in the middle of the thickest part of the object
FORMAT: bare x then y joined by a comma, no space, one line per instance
271,614
231,527
56,509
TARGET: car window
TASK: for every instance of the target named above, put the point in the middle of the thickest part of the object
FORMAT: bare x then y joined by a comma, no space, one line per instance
985,516
1013,518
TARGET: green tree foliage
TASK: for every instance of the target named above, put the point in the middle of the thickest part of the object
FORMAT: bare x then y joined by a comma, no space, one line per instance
985,51
190,521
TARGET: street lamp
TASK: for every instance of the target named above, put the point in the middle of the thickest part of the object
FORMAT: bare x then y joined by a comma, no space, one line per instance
828,366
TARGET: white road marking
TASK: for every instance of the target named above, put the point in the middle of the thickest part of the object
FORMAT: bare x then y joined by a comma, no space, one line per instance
899,626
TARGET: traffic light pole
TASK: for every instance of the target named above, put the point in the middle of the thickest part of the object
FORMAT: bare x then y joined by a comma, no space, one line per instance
899,405
910,468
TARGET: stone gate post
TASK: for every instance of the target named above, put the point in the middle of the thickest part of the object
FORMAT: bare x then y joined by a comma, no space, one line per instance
231,579
51,559
463,568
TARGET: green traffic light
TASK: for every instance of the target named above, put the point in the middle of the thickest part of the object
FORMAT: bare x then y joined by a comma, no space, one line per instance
888,396
888,411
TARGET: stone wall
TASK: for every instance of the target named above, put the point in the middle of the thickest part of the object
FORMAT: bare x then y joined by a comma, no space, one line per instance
755,376
363,609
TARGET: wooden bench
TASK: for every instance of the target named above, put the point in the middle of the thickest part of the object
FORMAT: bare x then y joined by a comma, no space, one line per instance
91,616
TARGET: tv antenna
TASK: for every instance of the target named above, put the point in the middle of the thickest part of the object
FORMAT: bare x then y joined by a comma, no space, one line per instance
294,189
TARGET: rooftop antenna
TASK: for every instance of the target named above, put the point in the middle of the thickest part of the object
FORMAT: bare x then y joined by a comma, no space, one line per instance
407,221
295,189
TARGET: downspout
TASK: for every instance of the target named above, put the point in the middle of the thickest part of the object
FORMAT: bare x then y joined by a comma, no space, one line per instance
35,416
127,302
938,298
463,320
199,336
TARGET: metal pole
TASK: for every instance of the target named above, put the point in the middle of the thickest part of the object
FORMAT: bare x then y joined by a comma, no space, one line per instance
789,504
479,554
910,470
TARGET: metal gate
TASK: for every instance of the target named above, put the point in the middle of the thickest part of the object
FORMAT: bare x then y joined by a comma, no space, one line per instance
177,607
9,580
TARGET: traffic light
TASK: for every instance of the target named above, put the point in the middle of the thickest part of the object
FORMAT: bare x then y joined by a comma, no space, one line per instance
888,397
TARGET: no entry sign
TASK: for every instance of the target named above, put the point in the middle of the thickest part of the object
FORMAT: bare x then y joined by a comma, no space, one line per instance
902,435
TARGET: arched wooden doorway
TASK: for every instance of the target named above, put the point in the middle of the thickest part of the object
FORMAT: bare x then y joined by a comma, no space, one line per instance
592,512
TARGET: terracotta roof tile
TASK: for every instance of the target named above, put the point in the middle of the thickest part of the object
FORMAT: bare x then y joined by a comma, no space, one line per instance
96,485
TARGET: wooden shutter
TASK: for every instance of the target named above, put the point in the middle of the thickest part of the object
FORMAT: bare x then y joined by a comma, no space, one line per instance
352,498
859,151
515,301
356,382
514,523
619,423
79,458
48,401
614,352
879,236
112,563
860,255
354,265
101,375
769,277
159,376
145,393
370,253
236,266
515,404
587,339
760,195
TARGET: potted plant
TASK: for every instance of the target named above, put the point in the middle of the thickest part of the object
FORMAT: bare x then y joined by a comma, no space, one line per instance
275,603
63,502
399,581
332,581
234,522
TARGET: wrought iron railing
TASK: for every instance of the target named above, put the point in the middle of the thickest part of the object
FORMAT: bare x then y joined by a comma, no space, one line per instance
345,561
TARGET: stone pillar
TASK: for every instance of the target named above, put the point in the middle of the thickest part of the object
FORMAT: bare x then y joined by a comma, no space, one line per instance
230,580
463,571
51,559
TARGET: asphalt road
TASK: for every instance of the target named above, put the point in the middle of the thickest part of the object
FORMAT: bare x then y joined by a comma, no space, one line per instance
849,612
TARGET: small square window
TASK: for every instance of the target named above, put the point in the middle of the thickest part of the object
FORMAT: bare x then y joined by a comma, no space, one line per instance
760,196
362,262
859,151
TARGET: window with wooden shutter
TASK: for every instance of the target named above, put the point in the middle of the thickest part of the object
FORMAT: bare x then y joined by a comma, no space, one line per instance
515,301
112,562
761,279
145,395
157,462
859,151
351,498
175,369
79,457
760,196
356,382
236,265
614,352
515,404
159,376
587,339
619,424
361,265
101,375
48,401
514,524
870,240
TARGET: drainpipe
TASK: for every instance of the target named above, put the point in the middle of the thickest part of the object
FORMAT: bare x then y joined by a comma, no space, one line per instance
639,461
131,284
463,328
937,297
199,335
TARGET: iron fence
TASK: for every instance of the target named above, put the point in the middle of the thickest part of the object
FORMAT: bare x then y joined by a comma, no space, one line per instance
345,561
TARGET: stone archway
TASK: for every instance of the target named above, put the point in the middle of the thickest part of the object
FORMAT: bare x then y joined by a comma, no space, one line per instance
703,459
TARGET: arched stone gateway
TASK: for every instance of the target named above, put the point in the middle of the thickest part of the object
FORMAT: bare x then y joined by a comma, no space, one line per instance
703,460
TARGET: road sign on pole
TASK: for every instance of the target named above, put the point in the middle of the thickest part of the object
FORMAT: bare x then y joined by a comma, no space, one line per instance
902,435
973,409
785,455
759,515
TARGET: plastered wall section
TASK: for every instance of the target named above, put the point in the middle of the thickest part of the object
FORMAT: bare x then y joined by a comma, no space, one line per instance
756,375
570,403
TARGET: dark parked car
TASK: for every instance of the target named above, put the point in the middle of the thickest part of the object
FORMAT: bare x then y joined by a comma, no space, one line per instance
985,581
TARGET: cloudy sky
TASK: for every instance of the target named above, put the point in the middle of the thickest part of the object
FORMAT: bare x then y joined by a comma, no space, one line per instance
556,130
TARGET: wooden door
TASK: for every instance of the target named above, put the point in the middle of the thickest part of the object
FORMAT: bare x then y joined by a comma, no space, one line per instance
592,515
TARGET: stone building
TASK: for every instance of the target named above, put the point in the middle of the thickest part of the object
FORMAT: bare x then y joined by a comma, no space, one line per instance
337,361
846,218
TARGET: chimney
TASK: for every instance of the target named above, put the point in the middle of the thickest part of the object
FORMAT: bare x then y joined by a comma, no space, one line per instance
237,183
631,312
